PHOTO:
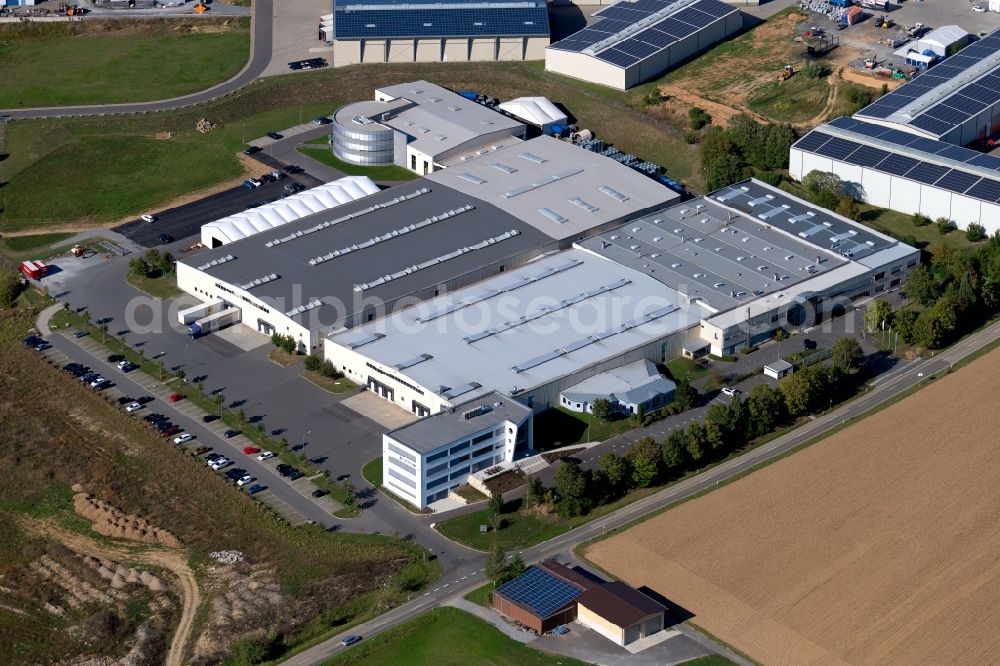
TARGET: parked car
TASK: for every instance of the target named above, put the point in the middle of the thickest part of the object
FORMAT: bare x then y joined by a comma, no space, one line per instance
133,407
350,640
183,439
145,399
229,434
42,346
244,480
251,150
235,474
79,334
268,178
808,344
172,430
163,426
292,188
212,457
265,455
208,418
176,397
127,366
979,9
101,385
31,341
293,168
124,400
115,358
166,238
250,450
88,377
255,488
275,135
322,120
220,463
319,492
149,218
730,391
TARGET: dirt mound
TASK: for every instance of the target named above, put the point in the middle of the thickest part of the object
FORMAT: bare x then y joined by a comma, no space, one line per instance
112,522
121,575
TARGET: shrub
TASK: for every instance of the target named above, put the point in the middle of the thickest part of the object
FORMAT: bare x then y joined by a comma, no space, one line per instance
698,118
975,232
945,226
920,220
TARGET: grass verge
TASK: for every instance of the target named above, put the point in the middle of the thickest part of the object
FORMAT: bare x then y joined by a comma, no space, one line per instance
162,287
283,358
482,596
34,242
388,172
445,637
329,384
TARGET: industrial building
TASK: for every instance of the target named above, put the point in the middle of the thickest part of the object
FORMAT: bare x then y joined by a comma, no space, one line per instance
550,594
715,274
415,126
531,333
425,460
906,172
638,385
956,101
938,43
348,265
632,42
277,213
381,31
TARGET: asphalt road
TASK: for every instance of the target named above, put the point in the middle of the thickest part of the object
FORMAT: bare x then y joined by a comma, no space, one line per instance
460,581
186,221
260,56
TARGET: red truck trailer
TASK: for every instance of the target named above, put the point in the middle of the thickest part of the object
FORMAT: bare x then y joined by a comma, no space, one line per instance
34,270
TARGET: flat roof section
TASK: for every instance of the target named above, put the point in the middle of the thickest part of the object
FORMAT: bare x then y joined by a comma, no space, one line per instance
556,187
711,255
424,234
380,19
948,94
468,418
511,333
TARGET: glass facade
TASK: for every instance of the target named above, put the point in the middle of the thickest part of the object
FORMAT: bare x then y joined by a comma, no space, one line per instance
363,147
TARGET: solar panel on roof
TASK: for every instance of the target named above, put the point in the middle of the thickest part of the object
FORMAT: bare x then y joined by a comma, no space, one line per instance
898,165
986,189
957,181
812,141
837,148
433,22
868,156
540,591
927,173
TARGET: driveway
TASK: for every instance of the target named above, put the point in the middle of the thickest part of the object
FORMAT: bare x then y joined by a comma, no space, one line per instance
295,34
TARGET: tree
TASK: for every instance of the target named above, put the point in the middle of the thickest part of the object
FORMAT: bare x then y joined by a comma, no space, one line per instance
104,333
800,390
570,481
276,339
160,368
715,147
823,188
674,451
975,232
167,263
289,345
181,374
495,504
698,118
715,437
944,225
644,458
219,400
847,355
139,267
241,416
640,414
765,409
878,316
920,220
695,444
722,173
10,287
776,147
534,492
615,471
601,409
313,362
849,208
927,330
516,567
685,396
350,495
496,562
903,321
922,286
153,259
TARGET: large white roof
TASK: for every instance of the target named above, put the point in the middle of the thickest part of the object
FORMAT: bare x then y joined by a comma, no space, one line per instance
523,329
535,110
252,221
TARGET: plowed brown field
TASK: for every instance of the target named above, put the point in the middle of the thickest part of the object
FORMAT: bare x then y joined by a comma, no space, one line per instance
878,545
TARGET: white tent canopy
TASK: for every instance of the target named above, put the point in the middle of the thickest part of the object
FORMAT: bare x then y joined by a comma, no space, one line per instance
535,111
269,216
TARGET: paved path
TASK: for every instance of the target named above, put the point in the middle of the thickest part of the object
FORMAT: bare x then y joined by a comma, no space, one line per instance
488,615
260,56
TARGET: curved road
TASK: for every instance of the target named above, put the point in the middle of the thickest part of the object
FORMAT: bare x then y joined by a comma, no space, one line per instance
260,57
460,580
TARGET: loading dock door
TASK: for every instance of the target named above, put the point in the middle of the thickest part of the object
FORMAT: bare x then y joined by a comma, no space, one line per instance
632,634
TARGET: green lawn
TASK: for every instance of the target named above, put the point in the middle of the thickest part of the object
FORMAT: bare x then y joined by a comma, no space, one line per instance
91,62
792,101
445,637
481,595
330,384
372,472
682,367
34,242
559,427
158,287
390,172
